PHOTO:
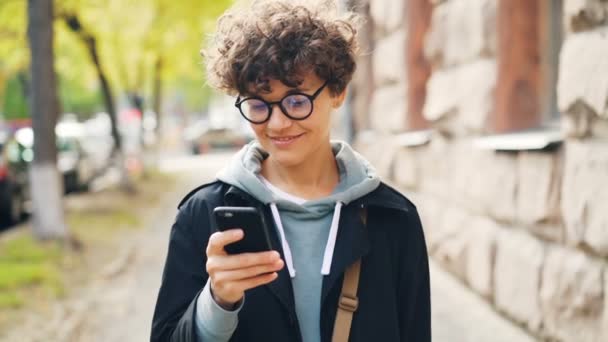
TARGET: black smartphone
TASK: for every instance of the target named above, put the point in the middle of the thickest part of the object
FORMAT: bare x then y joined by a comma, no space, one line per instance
249,219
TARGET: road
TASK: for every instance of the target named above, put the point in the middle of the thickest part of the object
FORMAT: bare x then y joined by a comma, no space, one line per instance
119,307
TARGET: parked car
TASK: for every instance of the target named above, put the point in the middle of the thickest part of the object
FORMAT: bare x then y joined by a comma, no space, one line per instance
74,164
72,160
201,138
14,178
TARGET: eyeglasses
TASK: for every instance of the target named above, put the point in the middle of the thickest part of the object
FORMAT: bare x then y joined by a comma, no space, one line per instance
296,106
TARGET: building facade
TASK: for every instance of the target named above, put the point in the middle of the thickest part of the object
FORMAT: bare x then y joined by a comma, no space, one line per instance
492,115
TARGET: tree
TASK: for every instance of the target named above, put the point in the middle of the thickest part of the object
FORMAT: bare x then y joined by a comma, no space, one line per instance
73,22
46,182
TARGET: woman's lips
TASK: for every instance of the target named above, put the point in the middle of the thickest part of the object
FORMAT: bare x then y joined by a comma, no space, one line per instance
285,141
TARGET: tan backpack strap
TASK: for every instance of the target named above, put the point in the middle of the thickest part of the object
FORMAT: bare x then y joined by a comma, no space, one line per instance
347,304
348,301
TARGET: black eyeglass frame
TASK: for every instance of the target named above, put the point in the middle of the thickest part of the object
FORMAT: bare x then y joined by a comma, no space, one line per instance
269,105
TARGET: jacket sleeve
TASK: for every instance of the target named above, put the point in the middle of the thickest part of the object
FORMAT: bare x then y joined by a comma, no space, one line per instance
416,318
184,276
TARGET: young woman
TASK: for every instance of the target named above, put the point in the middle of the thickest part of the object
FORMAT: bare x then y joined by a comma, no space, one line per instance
289,67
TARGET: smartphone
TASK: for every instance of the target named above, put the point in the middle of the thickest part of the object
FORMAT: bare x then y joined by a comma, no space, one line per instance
249,219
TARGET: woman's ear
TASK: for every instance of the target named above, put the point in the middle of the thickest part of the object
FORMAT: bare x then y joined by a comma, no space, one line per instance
338,100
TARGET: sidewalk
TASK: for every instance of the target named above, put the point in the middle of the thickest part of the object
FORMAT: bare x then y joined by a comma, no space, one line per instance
461,316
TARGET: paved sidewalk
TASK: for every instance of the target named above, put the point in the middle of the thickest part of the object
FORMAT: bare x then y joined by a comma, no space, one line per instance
461,316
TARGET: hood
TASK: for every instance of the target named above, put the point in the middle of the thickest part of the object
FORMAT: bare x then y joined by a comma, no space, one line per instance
357,178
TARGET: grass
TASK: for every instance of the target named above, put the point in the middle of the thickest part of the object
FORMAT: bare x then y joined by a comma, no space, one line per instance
32,271
28,265
101,224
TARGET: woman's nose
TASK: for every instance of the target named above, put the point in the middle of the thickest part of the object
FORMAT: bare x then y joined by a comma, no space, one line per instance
278,120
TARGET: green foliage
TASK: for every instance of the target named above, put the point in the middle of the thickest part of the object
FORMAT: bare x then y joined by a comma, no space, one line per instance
15,104
79,100
131,35
14,54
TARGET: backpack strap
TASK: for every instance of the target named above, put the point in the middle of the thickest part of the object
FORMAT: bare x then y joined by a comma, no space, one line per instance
348,302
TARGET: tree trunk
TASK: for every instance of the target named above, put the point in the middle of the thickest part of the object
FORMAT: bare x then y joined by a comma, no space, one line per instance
74,24
46,182
137,102
157,96
153,156
118,153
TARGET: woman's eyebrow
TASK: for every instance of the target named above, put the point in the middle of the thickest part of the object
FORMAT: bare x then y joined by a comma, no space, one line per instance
286,93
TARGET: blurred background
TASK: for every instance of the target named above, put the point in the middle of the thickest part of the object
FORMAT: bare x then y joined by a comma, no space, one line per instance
491,115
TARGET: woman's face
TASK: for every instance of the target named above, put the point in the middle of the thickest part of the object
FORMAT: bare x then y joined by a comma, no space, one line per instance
293,142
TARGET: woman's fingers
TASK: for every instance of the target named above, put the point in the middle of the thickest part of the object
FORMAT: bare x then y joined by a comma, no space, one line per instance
232,291
239,261
246,273
260,280
218,240
232,275
228,287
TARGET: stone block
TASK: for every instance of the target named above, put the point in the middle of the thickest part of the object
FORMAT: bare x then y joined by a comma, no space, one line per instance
431,216
572,295
389,59
460,99
484,182
380,151
451,239
388,109
585,194
583,86
407,167
581,15
461,31
577,122
497,185
539,179
517,277
388,16
604,330
481,255
599,129
466,174
435,168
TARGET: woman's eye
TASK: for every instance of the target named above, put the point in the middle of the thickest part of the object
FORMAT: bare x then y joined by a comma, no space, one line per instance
296,102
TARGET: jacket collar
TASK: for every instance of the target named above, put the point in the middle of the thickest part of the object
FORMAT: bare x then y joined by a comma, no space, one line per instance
352,242
383,196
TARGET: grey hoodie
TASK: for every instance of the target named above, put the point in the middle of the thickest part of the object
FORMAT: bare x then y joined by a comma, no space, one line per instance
307,232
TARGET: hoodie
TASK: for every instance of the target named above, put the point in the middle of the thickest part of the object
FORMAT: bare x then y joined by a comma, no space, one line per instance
307,230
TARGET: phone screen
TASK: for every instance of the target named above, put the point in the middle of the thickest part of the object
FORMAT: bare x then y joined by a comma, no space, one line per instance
249,219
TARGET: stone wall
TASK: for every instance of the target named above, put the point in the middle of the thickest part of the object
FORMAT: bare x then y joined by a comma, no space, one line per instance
389,73
528,229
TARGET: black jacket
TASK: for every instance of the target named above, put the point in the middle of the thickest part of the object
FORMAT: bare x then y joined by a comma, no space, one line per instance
394,298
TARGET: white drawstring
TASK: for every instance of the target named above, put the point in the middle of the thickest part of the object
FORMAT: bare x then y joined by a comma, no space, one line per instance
329,247
284,244
331,240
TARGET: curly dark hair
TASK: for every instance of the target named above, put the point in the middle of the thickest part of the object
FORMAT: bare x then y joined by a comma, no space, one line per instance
283,41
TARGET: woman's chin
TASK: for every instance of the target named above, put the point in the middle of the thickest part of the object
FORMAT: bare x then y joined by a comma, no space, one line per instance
285,158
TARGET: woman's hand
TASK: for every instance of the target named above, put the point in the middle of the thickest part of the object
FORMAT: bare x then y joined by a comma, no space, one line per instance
232,275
